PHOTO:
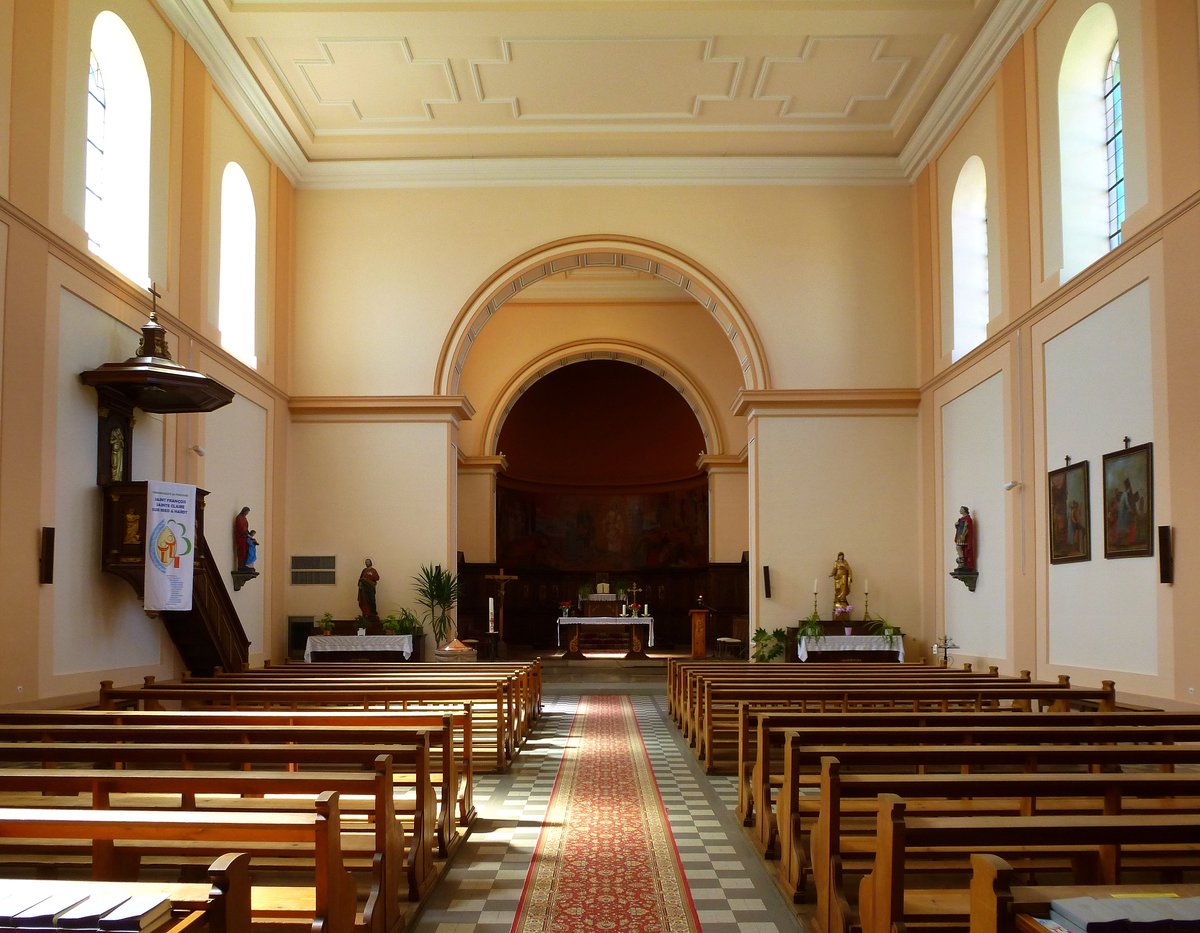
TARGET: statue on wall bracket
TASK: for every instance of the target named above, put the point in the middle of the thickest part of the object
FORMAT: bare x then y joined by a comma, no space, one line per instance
964,543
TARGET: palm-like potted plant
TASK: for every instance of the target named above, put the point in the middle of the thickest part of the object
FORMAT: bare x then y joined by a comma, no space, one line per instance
325,623
437,592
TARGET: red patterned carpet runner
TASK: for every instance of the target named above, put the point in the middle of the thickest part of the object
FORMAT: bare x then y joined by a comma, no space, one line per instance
606,859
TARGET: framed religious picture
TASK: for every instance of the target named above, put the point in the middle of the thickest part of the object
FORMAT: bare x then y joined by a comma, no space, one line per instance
1129,502
1070,519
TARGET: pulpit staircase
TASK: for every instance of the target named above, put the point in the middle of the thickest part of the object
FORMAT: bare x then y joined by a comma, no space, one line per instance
209,635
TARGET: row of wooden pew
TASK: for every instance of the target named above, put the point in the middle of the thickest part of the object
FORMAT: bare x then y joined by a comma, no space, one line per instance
347,786
869,787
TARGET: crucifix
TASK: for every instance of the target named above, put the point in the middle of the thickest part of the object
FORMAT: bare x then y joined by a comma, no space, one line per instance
502,579
633,589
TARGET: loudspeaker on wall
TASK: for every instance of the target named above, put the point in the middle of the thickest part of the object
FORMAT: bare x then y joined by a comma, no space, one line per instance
766,581
1166,554
46,557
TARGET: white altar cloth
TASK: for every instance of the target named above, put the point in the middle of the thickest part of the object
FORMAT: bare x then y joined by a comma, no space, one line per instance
317,644
849,643
608,620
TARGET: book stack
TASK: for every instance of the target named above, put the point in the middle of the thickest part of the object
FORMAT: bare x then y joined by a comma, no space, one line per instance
1134,914
74,908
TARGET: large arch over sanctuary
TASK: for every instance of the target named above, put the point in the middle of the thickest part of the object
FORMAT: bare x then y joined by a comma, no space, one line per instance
632,254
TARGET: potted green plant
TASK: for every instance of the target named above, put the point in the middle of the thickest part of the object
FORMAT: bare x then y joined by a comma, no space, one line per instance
768,645
325,623
437,592
402,622
884,629
811,627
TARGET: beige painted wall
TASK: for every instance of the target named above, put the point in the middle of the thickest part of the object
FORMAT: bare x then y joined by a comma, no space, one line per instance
825,483
369,489
381,275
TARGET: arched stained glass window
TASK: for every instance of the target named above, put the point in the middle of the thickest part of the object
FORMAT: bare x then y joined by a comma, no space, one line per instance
1115,147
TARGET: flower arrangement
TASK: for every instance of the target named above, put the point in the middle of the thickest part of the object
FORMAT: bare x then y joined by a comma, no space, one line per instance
635,608
841,611
564,608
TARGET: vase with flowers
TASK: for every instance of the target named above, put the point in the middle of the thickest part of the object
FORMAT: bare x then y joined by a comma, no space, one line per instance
564,608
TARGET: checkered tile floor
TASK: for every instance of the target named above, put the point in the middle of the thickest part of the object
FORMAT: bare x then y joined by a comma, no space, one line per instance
729,884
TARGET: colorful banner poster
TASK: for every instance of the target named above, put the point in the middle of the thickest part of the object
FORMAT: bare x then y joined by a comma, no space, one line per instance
171,544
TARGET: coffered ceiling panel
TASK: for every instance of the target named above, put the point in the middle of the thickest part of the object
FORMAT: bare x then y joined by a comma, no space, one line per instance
602,90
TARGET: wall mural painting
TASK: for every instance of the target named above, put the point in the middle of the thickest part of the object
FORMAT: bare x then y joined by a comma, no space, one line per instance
600,531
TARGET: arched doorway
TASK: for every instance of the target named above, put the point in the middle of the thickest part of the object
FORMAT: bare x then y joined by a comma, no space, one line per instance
613,371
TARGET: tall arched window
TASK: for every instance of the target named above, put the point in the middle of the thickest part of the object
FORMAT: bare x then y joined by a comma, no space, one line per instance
93,192
1115,146
969,256
1083,139
117,172
236,316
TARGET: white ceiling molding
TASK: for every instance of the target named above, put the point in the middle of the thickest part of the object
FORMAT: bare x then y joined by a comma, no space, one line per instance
230,74
201,30
540,172
968,81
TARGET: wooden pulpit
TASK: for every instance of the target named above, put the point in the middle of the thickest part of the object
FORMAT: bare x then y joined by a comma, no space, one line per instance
699,633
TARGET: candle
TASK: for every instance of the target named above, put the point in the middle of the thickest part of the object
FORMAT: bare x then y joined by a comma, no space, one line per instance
867,587
491,613
646,610
622,610
816,586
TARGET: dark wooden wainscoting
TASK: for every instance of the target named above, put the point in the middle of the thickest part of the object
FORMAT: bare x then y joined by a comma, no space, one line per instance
531,603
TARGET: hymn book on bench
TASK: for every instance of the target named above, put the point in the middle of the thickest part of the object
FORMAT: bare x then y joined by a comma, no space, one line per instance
1164,913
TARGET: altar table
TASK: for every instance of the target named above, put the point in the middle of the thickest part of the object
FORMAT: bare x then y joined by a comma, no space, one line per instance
844,643
635,651
358,644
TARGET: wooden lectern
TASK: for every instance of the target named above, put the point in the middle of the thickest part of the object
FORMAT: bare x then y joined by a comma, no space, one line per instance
699,634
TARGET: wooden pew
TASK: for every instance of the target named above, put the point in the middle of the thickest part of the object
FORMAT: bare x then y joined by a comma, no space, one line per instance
802,763
502,701
689,680
453,785
1021,729
833,851
761,729
276,759
330,903
763,676
489,706
530,673
220,906
522,681
885,905
997,896
717,717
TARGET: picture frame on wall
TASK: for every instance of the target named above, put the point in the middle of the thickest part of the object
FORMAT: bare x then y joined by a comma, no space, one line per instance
1129,502
1070,520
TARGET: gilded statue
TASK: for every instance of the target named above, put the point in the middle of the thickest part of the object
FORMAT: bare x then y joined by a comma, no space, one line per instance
843,576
